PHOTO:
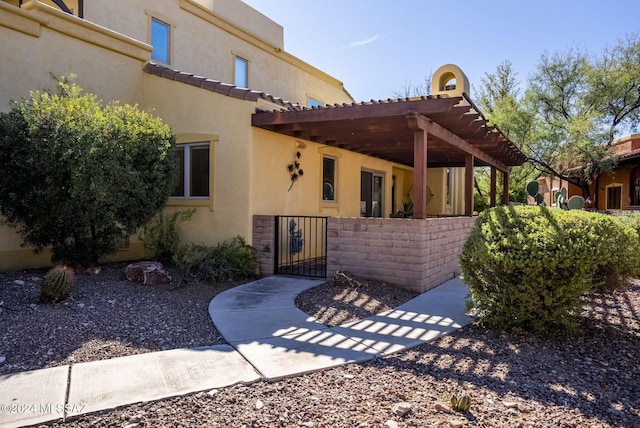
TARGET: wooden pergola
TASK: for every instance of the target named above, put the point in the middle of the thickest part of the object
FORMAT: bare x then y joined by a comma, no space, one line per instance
424,132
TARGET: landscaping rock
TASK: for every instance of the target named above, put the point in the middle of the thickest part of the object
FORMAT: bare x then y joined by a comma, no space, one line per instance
147,273
401,409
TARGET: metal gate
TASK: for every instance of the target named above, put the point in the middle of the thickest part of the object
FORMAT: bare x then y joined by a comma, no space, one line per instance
301,246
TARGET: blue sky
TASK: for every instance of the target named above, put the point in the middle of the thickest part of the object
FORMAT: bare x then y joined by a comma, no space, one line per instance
379,47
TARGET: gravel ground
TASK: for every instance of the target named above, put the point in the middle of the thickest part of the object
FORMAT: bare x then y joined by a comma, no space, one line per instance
106,316
591,379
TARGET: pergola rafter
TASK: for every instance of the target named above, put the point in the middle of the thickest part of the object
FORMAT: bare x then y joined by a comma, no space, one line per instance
419,132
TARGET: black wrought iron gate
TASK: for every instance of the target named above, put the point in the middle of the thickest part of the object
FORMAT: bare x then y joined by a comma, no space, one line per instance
301,246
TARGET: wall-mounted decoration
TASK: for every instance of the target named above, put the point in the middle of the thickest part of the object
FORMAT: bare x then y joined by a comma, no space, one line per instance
295,170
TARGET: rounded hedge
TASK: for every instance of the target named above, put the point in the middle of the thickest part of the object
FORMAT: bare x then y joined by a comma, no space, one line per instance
528,266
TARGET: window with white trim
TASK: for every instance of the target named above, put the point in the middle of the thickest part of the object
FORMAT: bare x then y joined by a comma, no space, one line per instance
329,179
241,72
160,41
193,179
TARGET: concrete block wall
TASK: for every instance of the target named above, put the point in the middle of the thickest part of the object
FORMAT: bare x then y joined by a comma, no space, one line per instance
416,254
264,232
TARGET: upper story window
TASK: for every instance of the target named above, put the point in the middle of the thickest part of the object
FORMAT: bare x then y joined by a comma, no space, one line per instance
193,176
241,72
312,102
328,179
160,41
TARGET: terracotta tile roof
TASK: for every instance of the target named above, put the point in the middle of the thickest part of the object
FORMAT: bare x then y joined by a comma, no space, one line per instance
629,155
214,85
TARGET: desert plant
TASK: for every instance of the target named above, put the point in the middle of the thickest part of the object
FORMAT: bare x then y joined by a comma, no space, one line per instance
57,283
232,259
532,190
529,266
406,210
84,175
460,401
161,237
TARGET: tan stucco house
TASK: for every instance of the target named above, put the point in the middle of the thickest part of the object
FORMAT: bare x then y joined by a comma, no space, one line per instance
262,134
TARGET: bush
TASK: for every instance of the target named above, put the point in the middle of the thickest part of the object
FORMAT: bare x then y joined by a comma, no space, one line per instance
612,276
78,176
529,266
229,260
161,237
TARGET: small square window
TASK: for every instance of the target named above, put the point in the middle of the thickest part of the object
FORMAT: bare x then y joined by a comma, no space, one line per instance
312,102
328,179
242,73
160,32
193,172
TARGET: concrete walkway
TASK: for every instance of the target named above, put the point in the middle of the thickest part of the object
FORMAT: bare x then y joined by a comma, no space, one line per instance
269,338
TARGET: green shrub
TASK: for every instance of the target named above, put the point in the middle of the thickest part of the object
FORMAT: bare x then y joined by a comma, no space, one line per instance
229,260
160,236
81,176
57,284
528,266
612,276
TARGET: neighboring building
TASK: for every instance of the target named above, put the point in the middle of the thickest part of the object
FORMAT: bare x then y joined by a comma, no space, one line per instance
618,190
242,109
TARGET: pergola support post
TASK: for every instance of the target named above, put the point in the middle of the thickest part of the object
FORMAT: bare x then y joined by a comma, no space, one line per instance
492,192
468,185
505,188
420,174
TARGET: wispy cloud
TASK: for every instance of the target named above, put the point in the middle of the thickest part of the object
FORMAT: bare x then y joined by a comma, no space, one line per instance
363,42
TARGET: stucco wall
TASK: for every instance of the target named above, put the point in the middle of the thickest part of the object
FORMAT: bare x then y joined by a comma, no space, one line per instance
205,41
42,41
272,152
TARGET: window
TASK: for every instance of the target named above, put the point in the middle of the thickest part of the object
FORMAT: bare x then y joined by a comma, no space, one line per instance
312,102
193,174
614,197
160,37
328,178
242,72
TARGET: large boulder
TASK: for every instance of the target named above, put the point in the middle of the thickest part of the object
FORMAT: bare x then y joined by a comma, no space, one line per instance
147,273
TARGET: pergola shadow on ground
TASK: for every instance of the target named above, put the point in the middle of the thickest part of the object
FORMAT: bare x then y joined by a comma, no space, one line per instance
262,322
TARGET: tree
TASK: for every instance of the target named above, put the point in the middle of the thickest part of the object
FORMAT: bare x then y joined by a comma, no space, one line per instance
500,100
584,103
415,90
80,176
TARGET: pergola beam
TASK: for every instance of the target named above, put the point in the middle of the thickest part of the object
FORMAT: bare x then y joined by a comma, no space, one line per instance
452,139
